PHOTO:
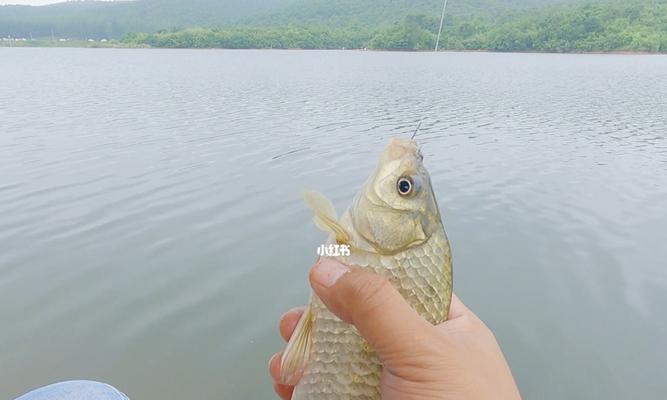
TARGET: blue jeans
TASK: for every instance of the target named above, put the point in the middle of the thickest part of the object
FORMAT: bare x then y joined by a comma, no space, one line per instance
75,390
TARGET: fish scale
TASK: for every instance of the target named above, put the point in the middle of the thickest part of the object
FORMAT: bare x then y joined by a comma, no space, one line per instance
341,364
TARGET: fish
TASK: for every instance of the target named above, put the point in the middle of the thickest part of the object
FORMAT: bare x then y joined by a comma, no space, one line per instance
394,229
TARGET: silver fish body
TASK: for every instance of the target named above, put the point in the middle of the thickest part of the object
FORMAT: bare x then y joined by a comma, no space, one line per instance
402,241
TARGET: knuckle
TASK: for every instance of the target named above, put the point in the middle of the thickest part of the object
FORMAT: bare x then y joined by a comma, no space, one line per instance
422,362
370,292
372,288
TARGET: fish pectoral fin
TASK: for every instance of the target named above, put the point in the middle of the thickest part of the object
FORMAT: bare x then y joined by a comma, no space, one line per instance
295,356
325,216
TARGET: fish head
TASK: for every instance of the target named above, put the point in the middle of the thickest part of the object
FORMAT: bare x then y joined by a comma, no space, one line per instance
396,209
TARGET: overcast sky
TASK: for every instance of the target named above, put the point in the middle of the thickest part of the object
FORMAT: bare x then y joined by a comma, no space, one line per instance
29,2
33,2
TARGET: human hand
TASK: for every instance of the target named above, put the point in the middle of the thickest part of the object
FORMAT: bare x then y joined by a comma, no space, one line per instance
458,359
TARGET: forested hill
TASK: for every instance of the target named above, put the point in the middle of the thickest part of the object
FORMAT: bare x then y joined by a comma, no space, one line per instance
86,19
499,25
94,19
373,13
638,26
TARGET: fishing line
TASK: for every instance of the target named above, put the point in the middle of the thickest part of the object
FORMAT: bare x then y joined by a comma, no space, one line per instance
416,131
437,44
442,19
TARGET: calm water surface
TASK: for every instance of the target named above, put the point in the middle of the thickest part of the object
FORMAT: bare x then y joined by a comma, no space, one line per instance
152,230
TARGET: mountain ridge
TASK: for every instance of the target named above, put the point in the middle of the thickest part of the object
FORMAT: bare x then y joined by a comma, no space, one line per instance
96,19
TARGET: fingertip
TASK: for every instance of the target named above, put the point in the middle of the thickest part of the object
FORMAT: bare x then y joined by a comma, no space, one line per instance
274,367
327,272
288,322
283,391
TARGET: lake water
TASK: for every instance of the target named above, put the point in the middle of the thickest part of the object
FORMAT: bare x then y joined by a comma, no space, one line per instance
152,230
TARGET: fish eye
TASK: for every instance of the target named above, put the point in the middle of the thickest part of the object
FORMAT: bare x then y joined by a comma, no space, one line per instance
405,186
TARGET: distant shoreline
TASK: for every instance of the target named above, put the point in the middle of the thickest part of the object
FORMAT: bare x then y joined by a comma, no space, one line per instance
625,28
119,45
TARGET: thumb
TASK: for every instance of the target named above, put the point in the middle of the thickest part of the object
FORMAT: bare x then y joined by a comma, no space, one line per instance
372,304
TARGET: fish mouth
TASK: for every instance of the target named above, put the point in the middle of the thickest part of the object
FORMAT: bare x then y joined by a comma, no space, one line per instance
402,148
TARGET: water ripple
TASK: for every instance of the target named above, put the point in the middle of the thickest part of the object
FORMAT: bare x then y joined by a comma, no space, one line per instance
150,206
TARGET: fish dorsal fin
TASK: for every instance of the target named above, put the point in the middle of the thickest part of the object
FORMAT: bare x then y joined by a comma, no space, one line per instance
325,216
295,357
